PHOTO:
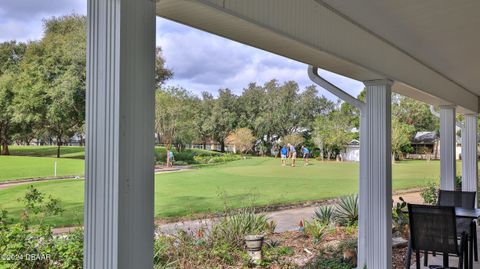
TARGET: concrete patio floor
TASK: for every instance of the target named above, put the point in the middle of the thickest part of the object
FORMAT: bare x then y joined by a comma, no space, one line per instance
453,262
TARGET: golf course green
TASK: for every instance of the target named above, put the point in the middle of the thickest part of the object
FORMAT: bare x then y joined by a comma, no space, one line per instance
262,181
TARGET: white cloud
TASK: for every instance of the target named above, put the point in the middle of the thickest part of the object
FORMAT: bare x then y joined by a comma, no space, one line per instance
200,61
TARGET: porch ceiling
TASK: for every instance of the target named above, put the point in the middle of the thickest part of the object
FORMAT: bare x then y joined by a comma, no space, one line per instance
430,48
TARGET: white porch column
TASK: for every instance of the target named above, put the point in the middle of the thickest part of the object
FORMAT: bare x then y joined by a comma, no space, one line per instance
448,168
120,137
469,153
375,191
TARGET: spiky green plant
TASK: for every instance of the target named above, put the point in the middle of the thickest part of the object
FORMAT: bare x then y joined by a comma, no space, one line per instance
324,214
346,210
315,230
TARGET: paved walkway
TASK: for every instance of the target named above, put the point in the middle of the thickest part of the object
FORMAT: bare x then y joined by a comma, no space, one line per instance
9,184
286,219
13,183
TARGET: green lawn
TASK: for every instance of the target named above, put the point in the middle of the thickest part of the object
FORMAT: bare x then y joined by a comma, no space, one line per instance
72,151
197,191
48,151
20,167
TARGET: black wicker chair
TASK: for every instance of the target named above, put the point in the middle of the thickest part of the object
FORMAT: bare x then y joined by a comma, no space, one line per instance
433,229
466,200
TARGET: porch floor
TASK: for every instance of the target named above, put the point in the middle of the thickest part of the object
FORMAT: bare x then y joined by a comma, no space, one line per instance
453,262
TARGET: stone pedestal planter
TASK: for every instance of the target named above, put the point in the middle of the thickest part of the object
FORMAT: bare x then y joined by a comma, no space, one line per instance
254,247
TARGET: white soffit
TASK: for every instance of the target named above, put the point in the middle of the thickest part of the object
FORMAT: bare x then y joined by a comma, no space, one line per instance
327,34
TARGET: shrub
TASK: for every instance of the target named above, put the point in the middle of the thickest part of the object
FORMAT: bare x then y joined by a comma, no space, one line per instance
235,226
188,156
400,219
458,182
346,210
222,245
217,159
69,250
315,230
430,193
324,214
33,237
330,260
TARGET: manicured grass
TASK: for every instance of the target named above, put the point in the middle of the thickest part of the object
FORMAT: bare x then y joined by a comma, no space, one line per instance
75,151
20,167
262,179
48,151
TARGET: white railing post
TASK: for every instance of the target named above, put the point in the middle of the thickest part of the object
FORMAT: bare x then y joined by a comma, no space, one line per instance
375,194
448,168
120,137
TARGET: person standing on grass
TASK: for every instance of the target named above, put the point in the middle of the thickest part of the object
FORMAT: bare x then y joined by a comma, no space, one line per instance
293,153
171,158
283,154
306,155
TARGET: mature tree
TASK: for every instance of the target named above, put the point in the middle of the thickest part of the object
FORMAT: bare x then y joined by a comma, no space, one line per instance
401,135
161,72
332,131
242,139
252,107
7,85
30,102
175,117
224,117
413,112
293,139
11,54
64,47
310,105
202,118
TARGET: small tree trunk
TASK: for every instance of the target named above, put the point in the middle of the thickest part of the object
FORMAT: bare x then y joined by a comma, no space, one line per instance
393,158
5,150
222,146
59,144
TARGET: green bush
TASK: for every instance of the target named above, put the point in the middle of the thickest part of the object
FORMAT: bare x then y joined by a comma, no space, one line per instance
400,219
324,214
430,193
330,260
233,228
346,210
315,230
187,156
217,159
222,245
33,246
69,250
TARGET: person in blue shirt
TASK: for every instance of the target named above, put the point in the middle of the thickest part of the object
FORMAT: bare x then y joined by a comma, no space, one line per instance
283,154
306,155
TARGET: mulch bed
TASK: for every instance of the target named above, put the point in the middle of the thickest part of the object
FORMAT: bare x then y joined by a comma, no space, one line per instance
305,250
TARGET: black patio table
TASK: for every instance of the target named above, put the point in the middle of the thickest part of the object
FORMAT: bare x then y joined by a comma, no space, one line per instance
468,213
473,214
461,212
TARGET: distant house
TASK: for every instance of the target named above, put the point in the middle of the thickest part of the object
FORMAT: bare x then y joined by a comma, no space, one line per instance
426,146
352,151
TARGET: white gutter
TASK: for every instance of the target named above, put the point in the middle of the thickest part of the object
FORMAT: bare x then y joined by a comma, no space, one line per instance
315,77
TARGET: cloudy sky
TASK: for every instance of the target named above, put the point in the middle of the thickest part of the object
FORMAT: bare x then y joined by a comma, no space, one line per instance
199,60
